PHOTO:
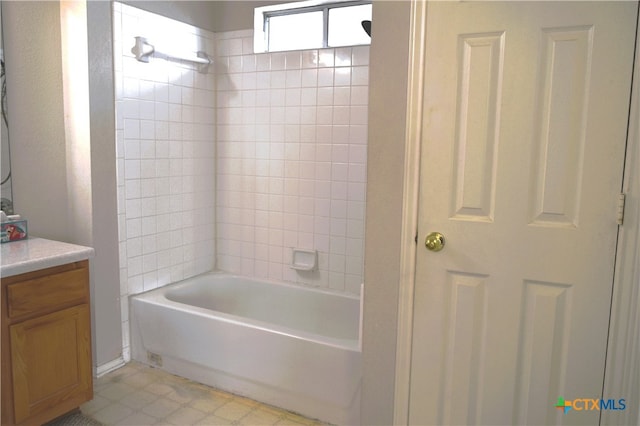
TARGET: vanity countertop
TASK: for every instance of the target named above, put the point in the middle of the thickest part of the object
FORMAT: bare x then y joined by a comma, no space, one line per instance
33,254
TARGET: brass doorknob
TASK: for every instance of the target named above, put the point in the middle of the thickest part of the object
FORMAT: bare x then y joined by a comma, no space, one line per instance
434,241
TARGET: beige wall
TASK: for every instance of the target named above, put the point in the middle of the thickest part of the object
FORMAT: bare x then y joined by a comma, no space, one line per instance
237,15
388,76
208,14
106,267
65,196
36,115
197,13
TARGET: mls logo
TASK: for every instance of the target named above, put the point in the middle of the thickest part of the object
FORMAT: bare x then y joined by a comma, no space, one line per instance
563,405
590,404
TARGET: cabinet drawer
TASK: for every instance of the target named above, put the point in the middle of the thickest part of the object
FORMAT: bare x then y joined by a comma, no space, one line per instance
48,293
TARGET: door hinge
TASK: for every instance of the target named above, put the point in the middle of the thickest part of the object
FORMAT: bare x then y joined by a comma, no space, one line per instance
621,200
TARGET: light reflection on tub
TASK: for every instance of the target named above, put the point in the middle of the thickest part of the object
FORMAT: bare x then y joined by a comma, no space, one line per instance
289,346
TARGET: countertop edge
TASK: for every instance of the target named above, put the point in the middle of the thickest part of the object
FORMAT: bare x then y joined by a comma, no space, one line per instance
33,254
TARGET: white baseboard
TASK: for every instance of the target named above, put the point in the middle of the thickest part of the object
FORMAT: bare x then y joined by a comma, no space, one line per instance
108,367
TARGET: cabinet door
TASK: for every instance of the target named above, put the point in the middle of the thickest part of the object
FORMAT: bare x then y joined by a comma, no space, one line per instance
51,362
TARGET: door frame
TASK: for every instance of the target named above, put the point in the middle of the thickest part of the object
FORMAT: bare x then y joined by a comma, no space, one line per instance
622,369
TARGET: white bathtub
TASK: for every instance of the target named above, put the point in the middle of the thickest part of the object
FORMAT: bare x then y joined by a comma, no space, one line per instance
285,345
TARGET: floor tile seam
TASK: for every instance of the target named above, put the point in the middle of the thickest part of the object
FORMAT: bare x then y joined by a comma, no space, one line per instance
133,390
133,411
181,405
97,413
230,396
185,404
157,418
137,390
279,414
282,415
163,419
236,420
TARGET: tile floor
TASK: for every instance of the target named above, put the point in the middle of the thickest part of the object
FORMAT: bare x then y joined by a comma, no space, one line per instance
140,395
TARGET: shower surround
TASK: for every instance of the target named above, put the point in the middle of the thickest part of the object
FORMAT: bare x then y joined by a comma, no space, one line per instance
233,168
165,135
291,148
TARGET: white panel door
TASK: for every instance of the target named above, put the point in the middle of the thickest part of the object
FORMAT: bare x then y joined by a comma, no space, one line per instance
524,129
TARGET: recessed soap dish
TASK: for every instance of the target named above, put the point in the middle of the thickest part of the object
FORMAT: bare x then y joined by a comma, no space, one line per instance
304,260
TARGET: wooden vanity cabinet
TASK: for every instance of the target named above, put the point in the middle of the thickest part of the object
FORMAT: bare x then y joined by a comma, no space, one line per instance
46,344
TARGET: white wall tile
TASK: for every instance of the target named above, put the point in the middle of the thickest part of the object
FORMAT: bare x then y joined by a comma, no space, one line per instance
293,78
310,59
166,111
360,76
360,55
309,78
324,115
326,77
278,61
290,166
343,56
263,62
326,58
342,76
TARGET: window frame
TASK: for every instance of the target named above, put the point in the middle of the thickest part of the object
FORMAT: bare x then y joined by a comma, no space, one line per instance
262,15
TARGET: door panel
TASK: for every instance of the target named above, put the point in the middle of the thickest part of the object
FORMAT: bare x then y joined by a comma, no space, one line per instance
524,128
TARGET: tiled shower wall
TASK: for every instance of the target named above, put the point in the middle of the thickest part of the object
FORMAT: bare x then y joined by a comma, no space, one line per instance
165,128
291,161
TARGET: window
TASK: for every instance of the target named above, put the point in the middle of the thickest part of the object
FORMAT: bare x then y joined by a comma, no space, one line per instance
311,25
